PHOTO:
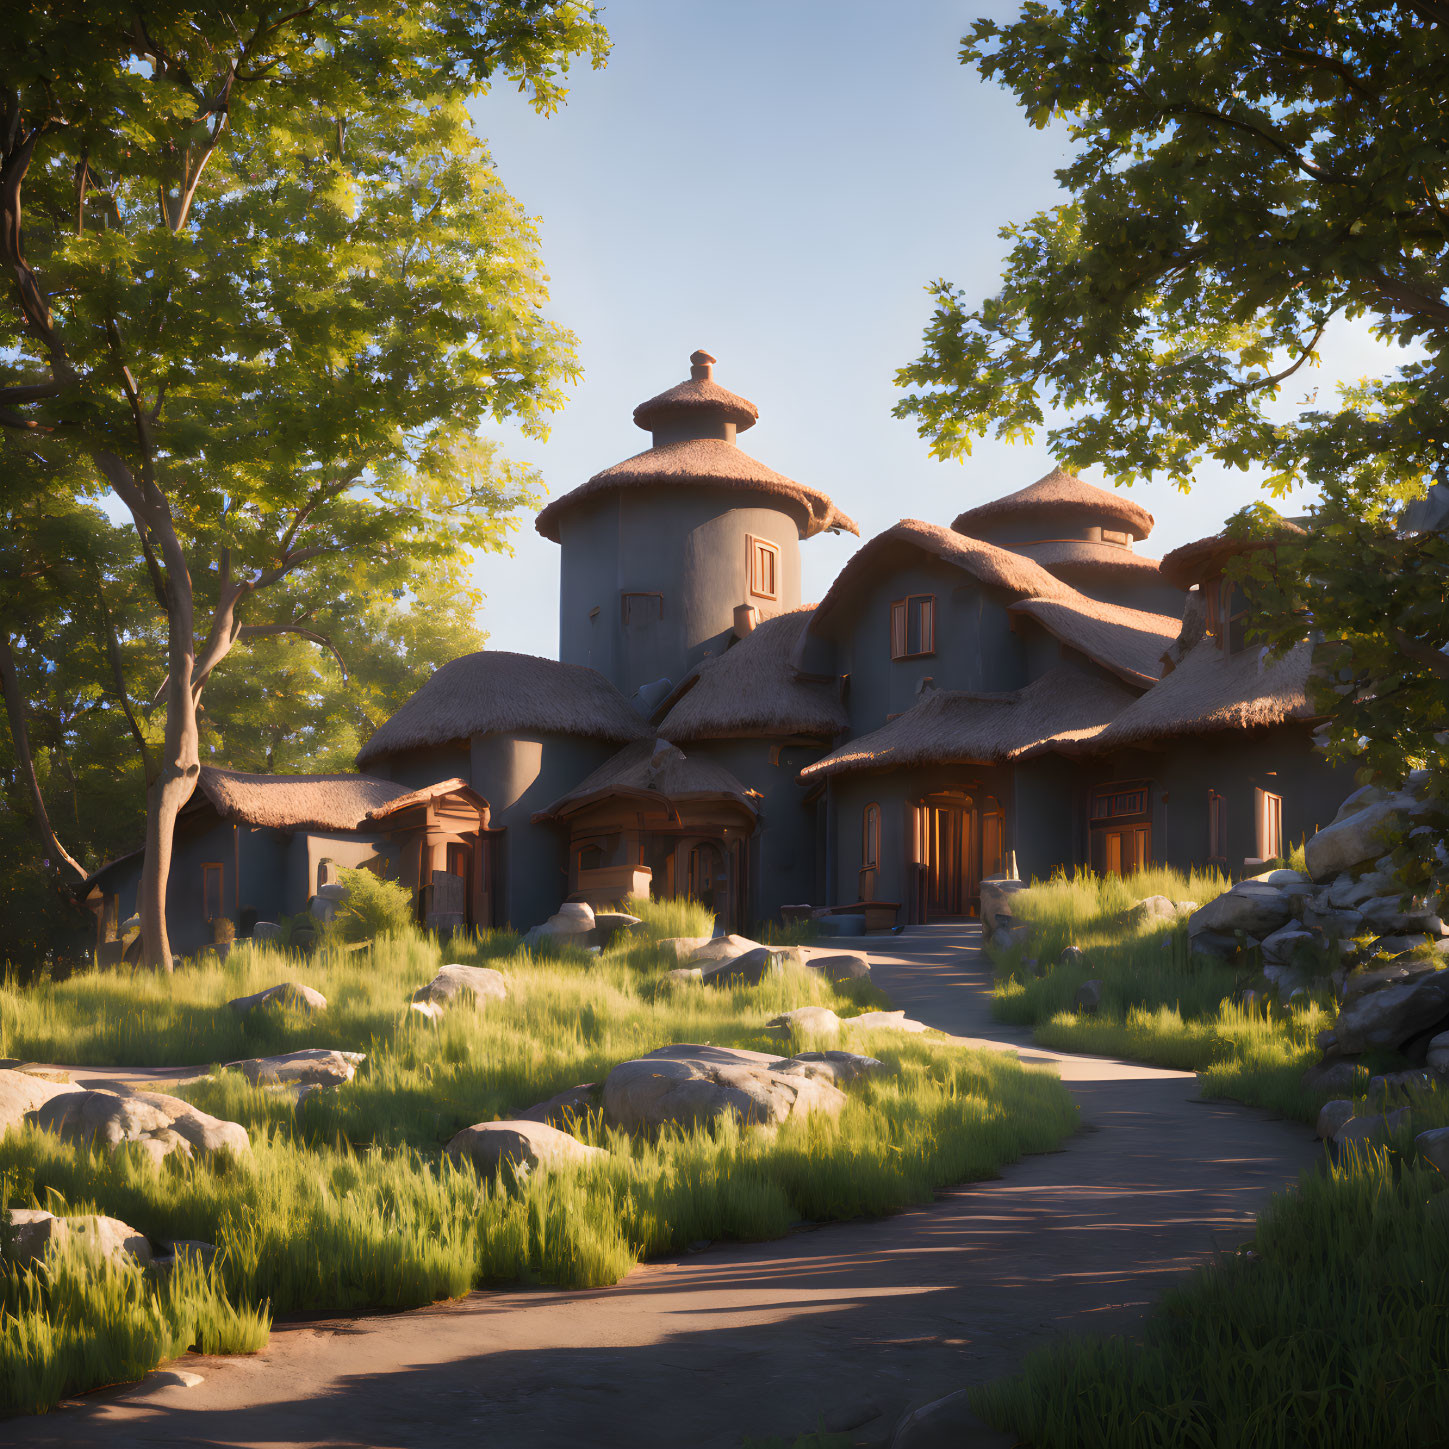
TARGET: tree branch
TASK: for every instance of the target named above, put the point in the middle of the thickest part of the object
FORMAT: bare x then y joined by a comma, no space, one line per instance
1421,653
1274,378
118,675
258,631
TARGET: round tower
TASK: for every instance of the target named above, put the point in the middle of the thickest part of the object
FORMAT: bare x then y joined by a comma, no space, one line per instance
674,552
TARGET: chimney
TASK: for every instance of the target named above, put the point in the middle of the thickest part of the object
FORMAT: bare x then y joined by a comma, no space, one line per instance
747,616
701,367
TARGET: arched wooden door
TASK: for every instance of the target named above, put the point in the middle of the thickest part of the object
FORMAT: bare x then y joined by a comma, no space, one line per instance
963,841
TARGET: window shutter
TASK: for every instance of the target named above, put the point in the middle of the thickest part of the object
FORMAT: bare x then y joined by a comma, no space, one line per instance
928,624
898,630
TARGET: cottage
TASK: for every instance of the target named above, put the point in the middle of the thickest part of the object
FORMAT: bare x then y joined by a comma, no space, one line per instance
1021,687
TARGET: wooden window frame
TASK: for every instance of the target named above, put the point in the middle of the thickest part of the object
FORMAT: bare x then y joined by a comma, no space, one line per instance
1268,822
901,627
757,548
1123,790
625,595
1228,627
1217,828
1117,537
870,837
206,869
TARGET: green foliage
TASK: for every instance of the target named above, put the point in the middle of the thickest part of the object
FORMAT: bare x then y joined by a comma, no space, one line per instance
374,907
1242,177
346,1200
671,916
1328,1330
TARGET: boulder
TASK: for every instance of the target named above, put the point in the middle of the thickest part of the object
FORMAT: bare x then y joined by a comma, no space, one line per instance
1291,943
683,947
288,995
1387,915
1404,945
1433,1147
565,1108
609,925
161,1124
808,1020
998,898
1071,956
948,1424
1214,946
328,900
1392,1014
884,1021
38,1232
21,1093
174,1250
267,931
1282,876
1008,938
1088,997
1437,1059
1371,1129
571,925
522,1144
314,1066
685,975
1254,907
748,969
1150,911
839,965
1284,980
1332,922
1186,908
1336,1077
454,985
1332,1116
1356,838
691,1085
1394,1085
723,948
841,1068
1360,982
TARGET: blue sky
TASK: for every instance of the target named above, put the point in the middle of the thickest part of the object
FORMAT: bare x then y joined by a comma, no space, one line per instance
776,181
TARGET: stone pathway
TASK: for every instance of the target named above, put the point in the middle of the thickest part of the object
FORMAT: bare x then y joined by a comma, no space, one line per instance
847,1325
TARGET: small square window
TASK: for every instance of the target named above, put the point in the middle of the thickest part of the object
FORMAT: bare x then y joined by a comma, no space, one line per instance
642,608
1111,535
913,626
764,567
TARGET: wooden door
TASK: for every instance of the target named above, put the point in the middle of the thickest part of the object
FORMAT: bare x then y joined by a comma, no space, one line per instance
953,870
1122,849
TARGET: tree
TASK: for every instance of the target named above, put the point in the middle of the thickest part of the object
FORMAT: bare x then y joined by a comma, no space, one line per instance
1244,176
268,286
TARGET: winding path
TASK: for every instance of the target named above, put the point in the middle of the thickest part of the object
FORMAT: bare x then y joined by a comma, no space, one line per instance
847,1324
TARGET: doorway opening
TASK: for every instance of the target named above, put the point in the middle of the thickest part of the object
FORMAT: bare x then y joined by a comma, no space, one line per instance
962,842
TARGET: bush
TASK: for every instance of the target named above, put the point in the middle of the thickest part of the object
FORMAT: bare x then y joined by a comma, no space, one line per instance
374,907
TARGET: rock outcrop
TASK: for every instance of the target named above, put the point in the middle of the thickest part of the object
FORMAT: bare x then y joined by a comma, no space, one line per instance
160,1124
313,1066
459,985
288,995
521,1144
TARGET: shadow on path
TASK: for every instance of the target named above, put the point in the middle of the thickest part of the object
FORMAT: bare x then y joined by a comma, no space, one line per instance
766,1338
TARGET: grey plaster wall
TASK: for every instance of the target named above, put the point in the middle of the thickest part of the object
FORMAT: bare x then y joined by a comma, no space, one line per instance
783,847
687,544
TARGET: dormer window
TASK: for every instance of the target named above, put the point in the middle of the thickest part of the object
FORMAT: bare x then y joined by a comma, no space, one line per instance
913,626
764,567
1227,614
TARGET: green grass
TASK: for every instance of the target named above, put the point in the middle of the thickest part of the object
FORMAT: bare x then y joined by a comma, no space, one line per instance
347,1202
1331,1331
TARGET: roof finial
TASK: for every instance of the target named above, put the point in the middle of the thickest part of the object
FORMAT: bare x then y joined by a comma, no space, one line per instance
701,367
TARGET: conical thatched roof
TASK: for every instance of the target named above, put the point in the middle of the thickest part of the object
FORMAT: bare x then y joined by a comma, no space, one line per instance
699,397
495,692
951,727
656,772
1212,690
297,802
1080,561
1059,496
704,463
752,690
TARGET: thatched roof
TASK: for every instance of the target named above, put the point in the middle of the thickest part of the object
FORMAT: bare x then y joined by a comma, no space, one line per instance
703,463
949,727
1212,690
657,773
1060,495
495,692
297,802
1129,642
752,690
1205,558
1000,567
454,786
1080,560
699,397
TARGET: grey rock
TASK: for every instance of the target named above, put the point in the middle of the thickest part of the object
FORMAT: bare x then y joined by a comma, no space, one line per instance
1008,938
814,1020
565,1108
1437,1059
267,931
1333,923
522,1144
1292,944
1332,1116
1254,907
749,969
571,924
456,985
1334,1076
723,948
325,904
288,995
1213,946
1388,916
609,926
1071,956
159,1123
174,1250
38,1232
1391,1085
1150,911
839,965
1283,876
1088,997
683,947
21,1093
1433,1147
1357,838
1253,1001
1361,982
685,976
840,1068
1371,1129
1398,946
999,896
884,1021
689,1085
314,1066
1392,1014
948,1424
